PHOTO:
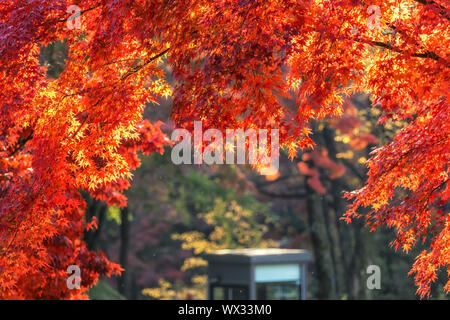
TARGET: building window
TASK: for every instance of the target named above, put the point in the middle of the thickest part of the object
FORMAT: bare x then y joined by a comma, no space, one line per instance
278,291
229,293
278,282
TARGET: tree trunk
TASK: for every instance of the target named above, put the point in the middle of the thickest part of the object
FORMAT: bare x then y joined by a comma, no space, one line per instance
332,246
124,247
312,206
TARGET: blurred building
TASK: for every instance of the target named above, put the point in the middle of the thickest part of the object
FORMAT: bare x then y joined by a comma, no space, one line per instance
258,274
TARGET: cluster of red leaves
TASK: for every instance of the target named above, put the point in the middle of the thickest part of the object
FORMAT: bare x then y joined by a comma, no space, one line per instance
348,123
233,62
408,189
319,159
79,132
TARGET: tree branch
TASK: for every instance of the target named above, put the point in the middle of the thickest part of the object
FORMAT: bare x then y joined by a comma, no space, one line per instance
282,195
81,12
426,54
21,143
443,12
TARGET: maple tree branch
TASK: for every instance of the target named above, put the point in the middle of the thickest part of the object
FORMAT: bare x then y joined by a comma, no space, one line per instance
21,143
433,190
129,73
66,19
443,12
81,12
4,250
426,54
146,62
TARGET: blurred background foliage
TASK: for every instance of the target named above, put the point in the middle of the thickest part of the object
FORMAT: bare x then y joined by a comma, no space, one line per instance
176,214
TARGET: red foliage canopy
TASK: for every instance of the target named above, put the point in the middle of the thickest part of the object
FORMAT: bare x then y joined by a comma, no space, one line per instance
233,60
